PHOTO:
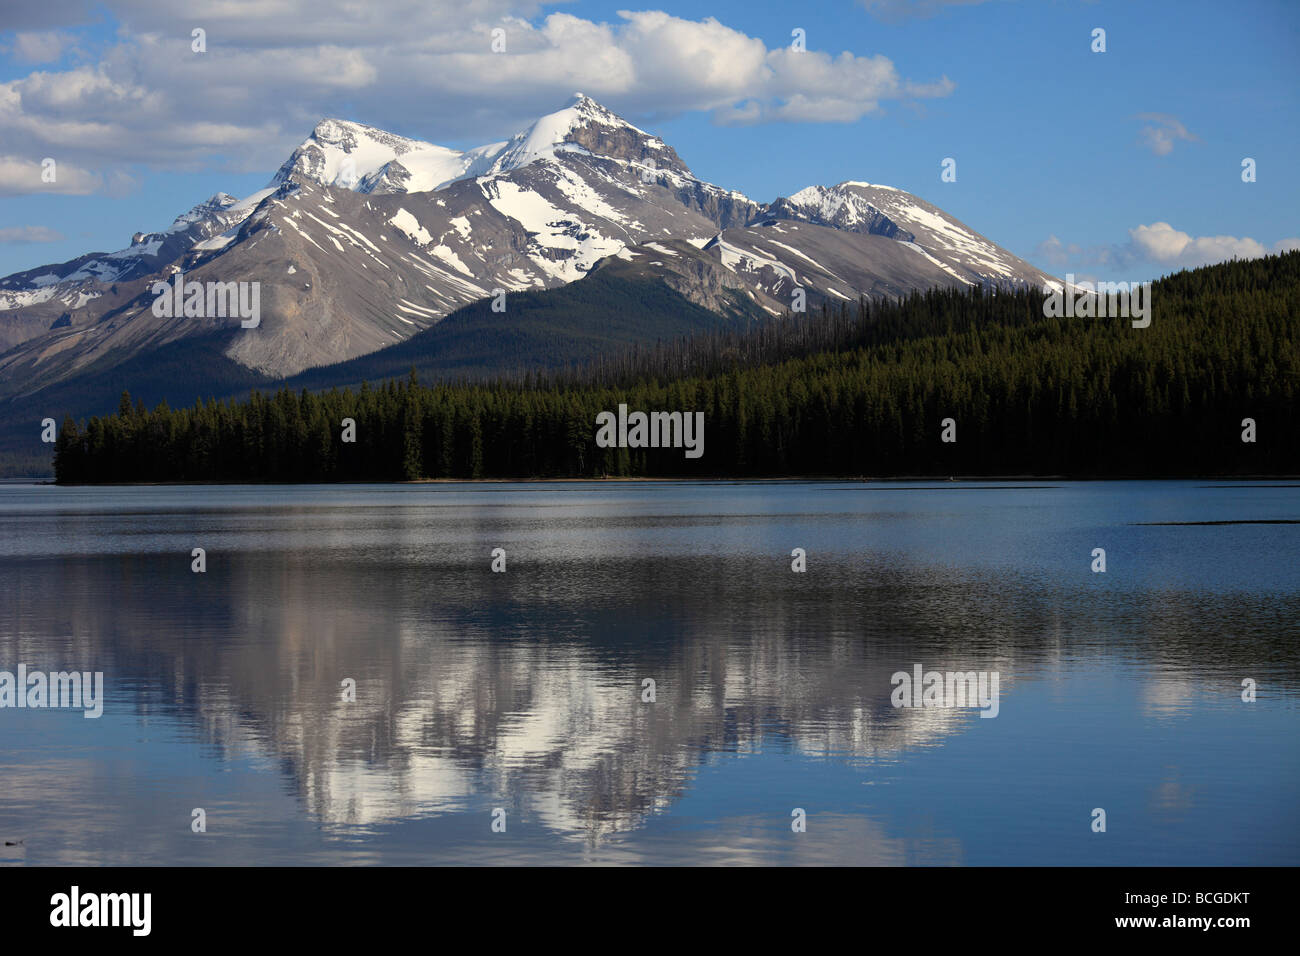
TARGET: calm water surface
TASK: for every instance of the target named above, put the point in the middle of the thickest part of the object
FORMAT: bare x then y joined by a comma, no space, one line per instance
523,690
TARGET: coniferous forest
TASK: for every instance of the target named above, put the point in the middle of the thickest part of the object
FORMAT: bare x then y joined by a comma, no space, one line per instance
858,390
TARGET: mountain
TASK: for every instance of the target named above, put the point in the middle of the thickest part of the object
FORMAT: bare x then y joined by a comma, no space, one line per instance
364,239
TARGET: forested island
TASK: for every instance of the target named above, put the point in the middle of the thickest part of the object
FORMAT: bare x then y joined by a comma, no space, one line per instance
859,389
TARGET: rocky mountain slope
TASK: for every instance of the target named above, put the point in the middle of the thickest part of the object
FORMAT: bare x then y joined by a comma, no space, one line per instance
364,238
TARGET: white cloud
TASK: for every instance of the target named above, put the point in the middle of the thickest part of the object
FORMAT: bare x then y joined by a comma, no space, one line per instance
39,46
424,69
29,234
1055,252
1162,131
21,176
1158,244
1162,243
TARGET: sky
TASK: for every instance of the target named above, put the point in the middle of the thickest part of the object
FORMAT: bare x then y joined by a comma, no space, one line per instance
1120,165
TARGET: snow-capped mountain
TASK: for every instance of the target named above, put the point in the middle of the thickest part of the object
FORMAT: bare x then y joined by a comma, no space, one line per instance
369,160
363,238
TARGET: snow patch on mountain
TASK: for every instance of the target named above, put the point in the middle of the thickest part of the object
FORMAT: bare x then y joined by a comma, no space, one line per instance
20,300
942,265
410,227
747,260
559,244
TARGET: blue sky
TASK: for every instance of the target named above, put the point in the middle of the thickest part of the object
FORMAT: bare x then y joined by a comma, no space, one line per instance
1121,165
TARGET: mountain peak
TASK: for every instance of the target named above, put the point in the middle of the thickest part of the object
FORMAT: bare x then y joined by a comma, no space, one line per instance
331,129
352,137
353,155
560,127
585,103
584,124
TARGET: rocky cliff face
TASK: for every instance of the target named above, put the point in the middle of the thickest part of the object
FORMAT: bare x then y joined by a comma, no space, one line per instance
364,237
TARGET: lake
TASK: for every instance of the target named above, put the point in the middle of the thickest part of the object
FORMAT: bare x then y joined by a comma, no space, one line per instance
506,717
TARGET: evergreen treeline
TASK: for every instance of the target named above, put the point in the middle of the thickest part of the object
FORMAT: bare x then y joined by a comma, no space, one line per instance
859,390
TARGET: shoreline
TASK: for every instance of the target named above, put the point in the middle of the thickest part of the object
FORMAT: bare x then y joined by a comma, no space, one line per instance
789,479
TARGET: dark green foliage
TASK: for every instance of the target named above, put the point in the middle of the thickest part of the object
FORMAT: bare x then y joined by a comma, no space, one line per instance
858,391
542,330
175,373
